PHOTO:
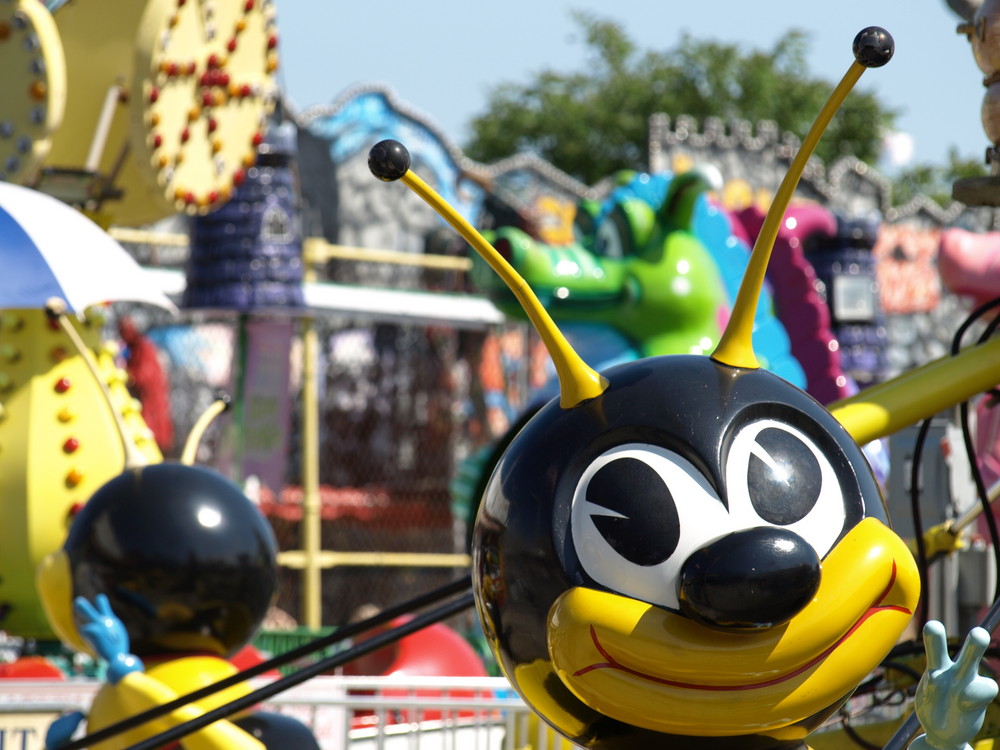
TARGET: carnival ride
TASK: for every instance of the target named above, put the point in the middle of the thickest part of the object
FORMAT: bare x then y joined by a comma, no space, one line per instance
629,630
180,567
164,116
619,612
574,593
67,419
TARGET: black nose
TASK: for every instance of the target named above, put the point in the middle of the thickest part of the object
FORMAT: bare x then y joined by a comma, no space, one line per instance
755,578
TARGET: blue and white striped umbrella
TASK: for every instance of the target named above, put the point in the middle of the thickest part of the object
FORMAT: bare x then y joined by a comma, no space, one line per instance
49,249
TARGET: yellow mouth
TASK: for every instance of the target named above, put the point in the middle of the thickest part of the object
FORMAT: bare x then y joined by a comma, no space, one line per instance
657,669
611,663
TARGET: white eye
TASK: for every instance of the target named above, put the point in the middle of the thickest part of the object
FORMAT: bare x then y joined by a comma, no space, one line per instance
608,241
777,476
639,511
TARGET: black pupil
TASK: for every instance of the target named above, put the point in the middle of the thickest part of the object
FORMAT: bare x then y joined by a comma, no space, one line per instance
648,531
784,487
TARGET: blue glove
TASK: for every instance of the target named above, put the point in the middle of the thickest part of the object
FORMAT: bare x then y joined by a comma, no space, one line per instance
107,636
61,730
952,696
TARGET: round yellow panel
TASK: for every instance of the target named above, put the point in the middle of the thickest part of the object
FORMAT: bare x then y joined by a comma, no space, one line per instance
32,87
128,108
203,87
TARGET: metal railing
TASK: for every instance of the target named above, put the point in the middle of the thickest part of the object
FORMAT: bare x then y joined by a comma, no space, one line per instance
356,713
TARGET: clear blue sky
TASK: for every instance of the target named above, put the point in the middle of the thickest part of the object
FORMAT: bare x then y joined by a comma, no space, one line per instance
442,57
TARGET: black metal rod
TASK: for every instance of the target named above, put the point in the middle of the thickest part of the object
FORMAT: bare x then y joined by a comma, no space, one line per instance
324,665
341,634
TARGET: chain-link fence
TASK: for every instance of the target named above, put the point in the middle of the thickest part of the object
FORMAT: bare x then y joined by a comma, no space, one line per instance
406,410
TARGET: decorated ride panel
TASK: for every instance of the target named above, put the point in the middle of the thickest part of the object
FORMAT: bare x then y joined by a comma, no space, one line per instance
32,89
59,444
165,114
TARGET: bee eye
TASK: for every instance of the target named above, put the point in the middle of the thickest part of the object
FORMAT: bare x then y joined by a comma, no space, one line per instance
776,475
783,477
638,511
631,507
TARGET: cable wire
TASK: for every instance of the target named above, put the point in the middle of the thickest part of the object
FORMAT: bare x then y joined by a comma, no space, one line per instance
341,634
324,665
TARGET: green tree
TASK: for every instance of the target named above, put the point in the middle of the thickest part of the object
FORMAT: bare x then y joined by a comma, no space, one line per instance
595,122
935,181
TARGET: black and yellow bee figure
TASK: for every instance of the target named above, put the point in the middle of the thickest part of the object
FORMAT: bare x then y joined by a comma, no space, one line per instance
166,571
685,551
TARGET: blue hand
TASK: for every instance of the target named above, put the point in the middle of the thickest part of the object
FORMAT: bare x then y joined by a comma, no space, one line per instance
61,730
952,696
107,635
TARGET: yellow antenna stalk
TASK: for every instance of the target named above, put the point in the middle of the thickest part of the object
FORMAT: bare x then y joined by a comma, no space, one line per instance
873,48
389,161
214,409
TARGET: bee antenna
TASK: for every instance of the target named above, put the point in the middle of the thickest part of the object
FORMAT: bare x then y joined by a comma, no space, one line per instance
873,48
389,161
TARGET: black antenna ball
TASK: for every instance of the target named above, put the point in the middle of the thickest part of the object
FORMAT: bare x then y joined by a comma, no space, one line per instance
873,47
388,160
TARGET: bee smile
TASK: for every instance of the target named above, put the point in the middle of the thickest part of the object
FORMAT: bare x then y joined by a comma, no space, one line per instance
612,663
